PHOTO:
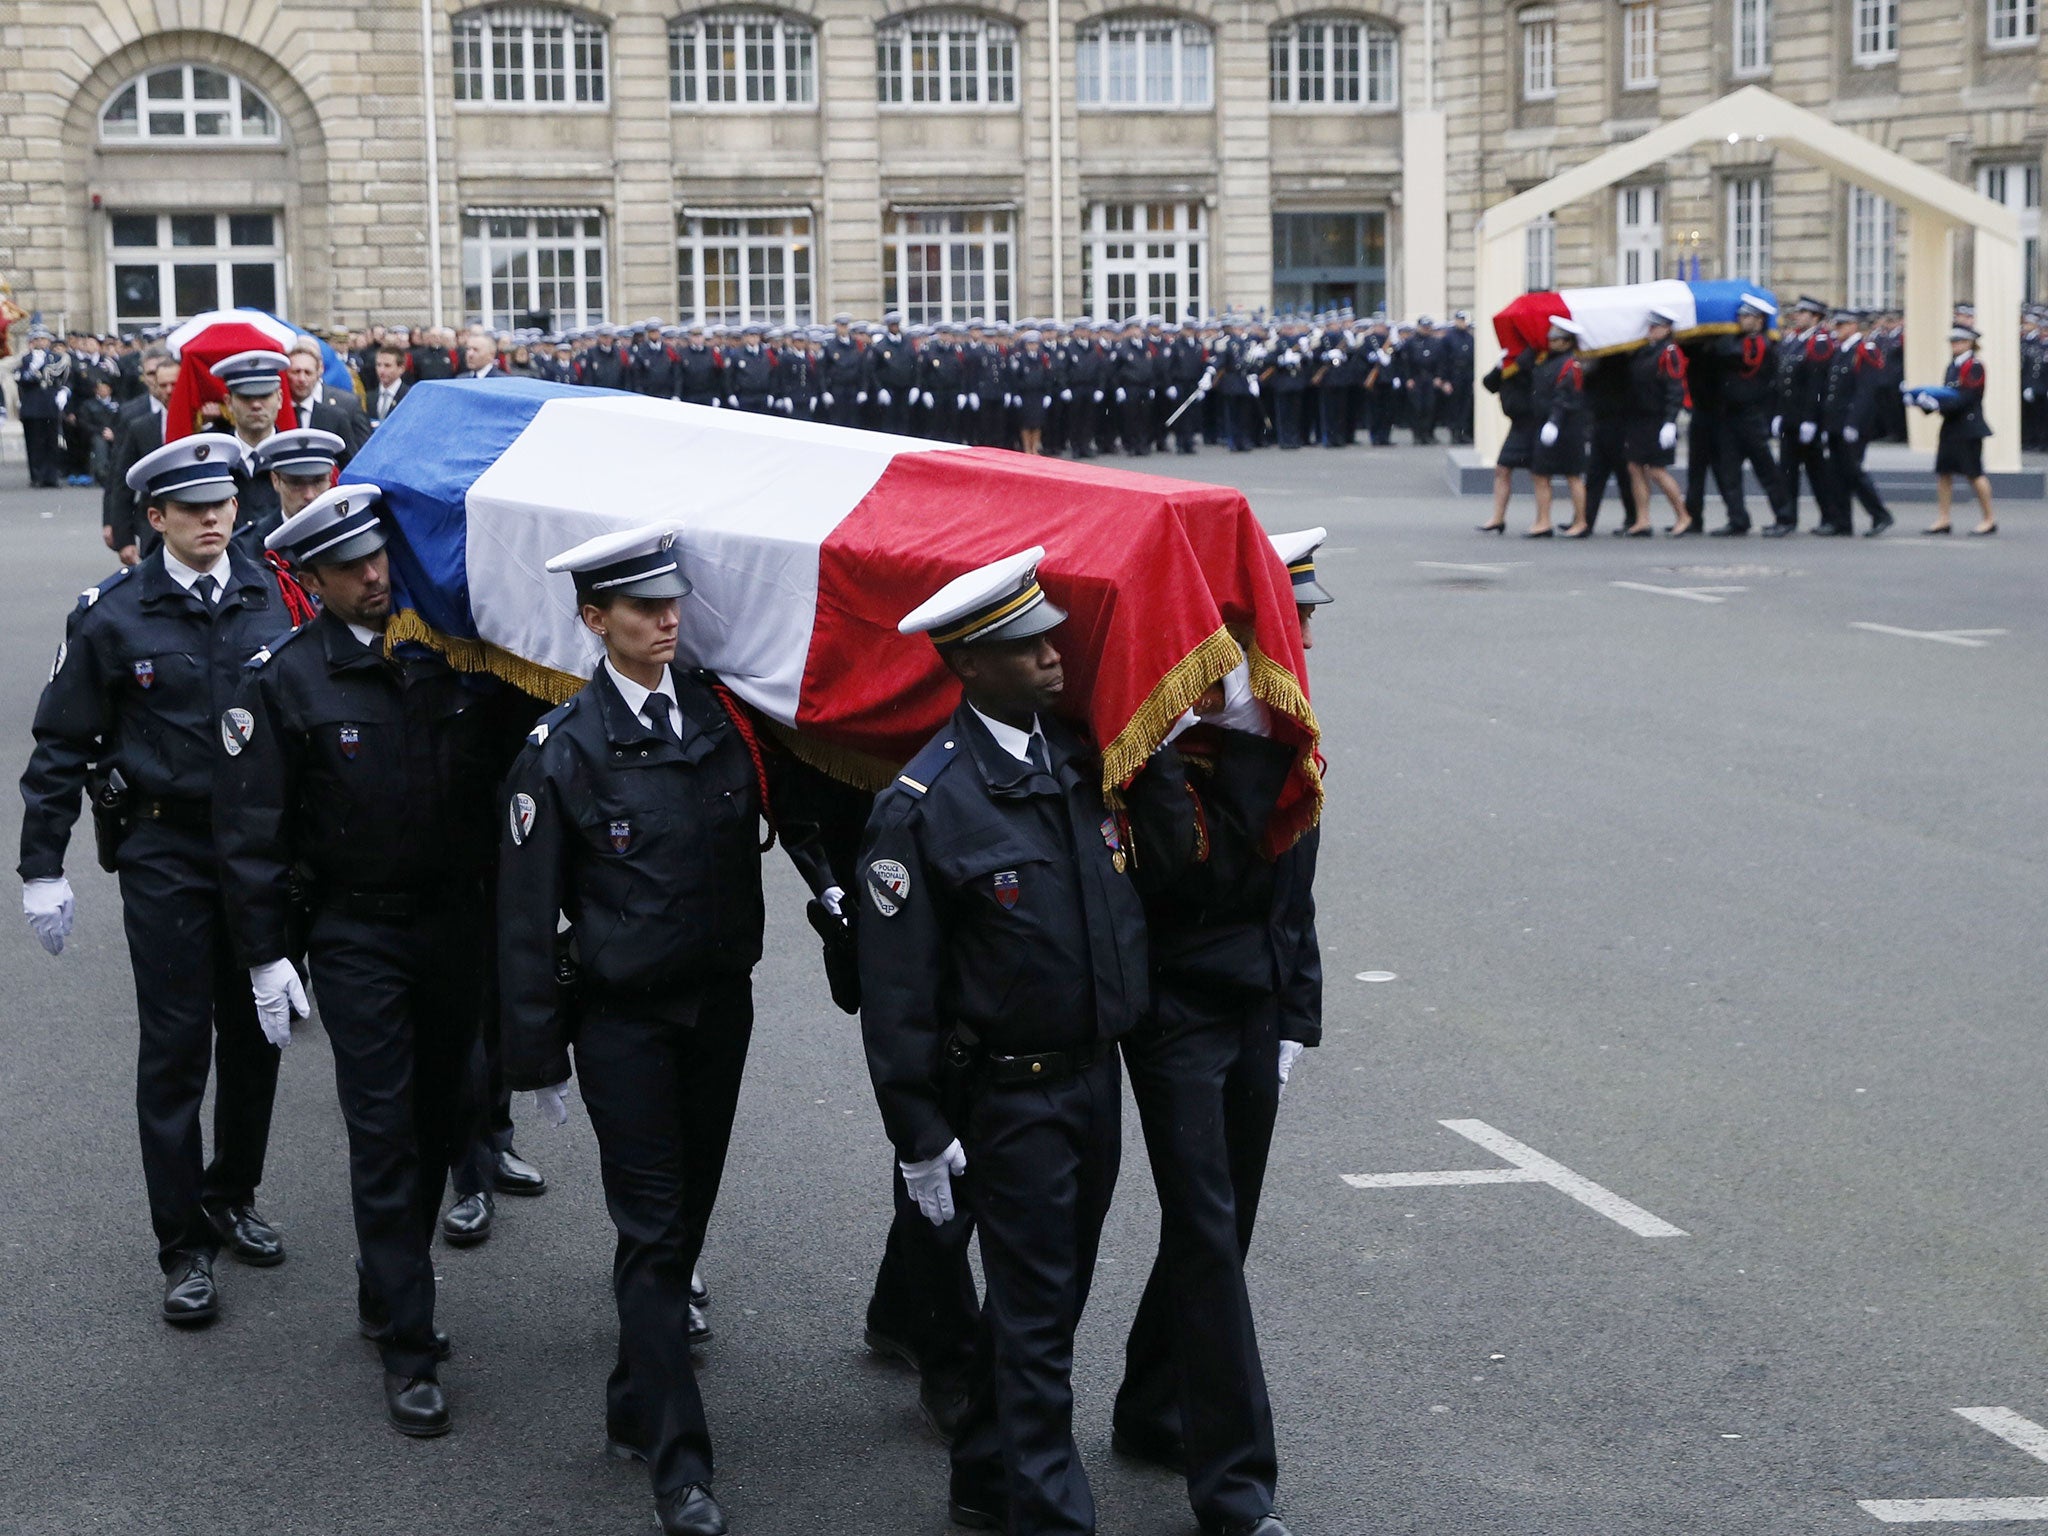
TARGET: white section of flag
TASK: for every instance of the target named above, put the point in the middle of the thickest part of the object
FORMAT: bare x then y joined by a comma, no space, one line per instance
753,499
1615,317
275,329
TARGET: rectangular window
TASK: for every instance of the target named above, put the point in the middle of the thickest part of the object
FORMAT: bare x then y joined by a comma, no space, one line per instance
166,267
1142,63
1325,261
1749,229
2014,23
1143,259
544,268
1639,233
2018,186
1875,32
1752,37
1873,250
512,56
948,264
1539,54
945,59
743,268
1539,255
1639,46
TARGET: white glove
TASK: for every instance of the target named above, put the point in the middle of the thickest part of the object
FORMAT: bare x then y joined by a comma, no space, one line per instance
1850,434
1806,431
279,995
1120,397
960,402
1290,1053
883,396
1254,382
1066,394
48,905
1098,397
1667,436
973,400
1046,403
833,900
814,405
1777,426
826,397
931,1183
2027,395
860,397
929,402
553,1103
716,403
1548,435
1173,391
733,401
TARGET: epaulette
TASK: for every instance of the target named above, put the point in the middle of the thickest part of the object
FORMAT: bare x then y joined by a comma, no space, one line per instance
545,726
92,595
923,770
271,648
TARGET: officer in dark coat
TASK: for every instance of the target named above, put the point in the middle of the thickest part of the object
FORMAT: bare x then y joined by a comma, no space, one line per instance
634,811
750,374
39,377
1848,416
891,376
698,370
842,366
1960,448
1607,386
1557,399
299,465
1287,383
606,364
1003,955
151,657
358,787
1132,375
1457,371
1512,379
138,431
1802,444
1749,388
1186,362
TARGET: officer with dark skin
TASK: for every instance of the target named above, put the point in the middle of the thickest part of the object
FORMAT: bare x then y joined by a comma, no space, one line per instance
1002,953
151,656
359,786
634,811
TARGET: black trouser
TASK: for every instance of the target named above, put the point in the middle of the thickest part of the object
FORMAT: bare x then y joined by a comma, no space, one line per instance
1458,410
1793,456
398,985
662,1095
924,1289
1189,422
1333,410
843,412
1205,1073
1743,437
1422,411
488,1099
1041,1166
192,1003
1379,403
1845,461
1240,422
1137,421
1607,454
45,455
1287,417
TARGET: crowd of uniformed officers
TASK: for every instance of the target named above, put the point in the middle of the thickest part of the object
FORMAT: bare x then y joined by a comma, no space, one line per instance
485,897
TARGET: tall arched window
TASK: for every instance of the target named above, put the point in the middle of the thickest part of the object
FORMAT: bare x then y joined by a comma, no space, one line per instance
742,58
519,56
945,59
1142,61
188,103
1336,61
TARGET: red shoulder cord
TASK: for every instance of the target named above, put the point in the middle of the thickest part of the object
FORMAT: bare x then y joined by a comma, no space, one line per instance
737,713
296,602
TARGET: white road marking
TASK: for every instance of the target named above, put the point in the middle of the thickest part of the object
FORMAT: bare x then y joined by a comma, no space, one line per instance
1692,594
2015,1430
1375,976
1970,637
1530,1167
1454,565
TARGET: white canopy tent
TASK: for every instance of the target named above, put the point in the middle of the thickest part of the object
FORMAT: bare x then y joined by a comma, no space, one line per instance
1938,209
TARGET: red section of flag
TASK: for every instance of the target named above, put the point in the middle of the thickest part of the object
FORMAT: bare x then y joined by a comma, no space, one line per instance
1526,321
1150,571
197,387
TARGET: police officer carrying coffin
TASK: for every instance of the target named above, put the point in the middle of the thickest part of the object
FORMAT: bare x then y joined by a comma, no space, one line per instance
151,658
359,786
1003,956
300,466
1748,388
255,385
633,811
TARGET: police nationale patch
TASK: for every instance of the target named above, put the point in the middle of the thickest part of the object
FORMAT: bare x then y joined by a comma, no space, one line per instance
522,818
236,727
145,673
351,738
1006,887
888,886
622,836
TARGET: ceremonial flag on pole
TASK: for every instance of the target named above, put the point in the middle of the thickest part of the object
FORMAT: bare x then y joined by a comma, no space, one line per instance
806,543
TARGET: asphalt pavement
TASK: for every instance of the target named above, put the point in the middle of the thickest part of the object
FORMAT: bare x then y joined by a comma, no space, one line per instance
1666,867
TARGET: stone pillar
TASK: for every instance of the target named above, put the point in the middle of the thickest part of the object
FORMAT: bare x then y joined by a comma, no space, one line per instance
643,176
1425,251
1241,241
850,240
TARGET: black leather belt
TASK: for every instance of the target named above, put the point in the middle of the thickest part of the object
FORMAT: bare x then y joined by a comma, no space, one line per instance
191,815
1039,1067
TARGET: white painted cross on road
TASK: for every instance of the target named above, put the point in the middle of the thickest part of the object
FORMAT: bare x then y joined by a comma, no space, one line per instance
1977,639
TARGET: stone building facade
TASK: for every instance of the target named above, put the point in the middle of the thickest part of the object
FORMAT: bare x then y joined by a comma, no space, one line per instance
541,163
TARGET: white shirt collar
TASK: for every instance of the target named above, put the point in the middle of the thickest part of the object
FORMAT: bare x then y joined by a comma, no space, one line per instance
636,696
1013,741
184,575
155,404
369,636
312,399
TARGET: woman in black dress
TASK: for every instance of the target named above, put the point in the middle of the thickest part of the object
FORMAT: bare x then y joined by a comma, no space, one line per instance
1512,379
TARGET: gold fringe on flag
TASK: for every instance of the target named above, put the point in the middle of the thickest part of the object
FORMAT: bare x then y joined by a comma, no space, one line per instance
466,655
842,763
1277,688
1171,697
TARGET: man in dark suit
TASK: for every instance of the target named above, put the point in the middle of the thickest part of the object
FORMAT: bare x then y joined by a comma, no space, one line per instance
331,410
390,384
138,431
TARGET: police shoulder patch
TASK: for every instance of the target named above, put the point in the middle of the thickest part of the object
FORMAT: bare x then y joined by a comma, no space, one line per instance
237,727
888,886
522,814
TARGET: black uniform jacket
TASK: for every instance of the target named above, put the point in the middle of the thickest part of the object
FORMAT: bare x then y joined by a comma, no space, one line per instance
650,846
361,775
1964,416
139,685
994,909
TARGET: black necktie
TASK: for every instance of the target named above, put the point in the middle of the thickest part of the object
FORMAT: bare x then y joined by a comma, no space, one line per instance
208,590
657,708
1039,760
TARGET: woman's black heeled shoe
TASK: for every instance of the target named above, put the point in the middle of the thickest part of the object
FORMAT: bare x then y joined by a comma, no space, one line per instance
1540,533
1493,527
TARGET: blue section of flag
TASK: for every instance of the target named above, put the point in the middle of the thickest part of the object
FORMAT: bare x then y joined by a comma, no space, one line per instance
1716,301
334,371
426,456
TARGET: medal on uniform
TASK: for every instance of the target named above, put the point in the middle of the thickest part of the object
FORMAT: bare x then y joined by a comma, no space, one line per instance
622,836
1114,842
350,736
1006,888
145,673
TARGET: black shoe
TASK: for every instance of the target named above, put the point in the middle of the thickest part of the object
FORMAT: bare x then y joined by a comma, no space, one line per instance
1168,1451
377,1331
417,1405
1779,530
468,1221
982,1514
1689,531
1827,531
1583,533
514,1175
1937,533
1539,533
693,1512
1729,531
944,1405
190,1297
1878,530
1265,1525
700,1327
246,1235
700,1294
1491,527
885,1346
1983,533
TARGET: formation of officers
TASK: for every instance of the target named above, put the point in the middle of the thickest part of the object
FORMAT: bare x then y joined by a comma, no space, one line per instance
483,897
1824,386
1135,386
